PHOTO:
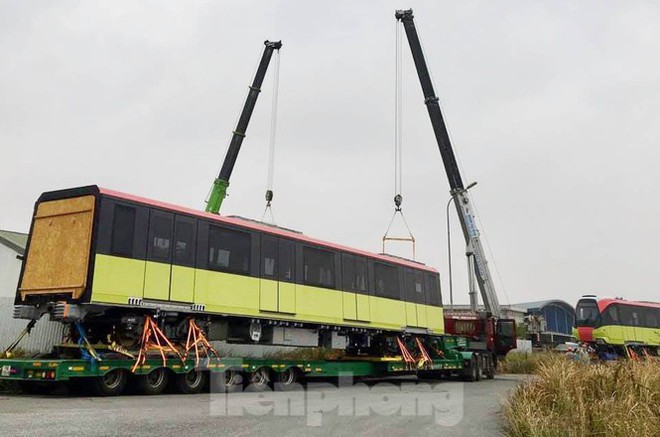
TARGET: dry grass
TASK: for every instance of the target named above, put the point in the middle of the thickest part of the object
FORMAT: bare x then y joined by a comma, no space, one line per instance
573,399
523,363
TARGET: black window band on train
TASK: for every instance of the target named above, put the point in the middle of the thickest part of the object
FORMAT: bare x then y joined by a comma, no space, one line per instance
414,288
139,231
387,282
653,318
229,250
269,257
631,315
277,258
123,231
185,241
354,273
318,267
287,260
433,287
161,226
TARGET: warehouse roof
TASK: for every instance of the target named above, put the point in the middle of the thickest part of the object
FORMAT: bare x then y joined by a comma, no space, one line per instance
16,241
539,305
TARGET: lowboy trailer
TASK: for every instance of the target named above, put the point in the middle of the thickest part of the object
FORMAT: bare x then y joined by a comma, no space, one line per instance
110,373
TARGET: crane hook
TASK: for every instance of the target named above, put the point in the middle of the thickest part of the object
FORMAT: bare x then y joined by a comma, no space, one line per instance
398,200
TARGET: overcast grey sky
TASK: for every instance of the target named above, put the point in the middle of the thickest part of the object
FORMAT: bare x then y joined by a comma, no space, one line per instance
553,108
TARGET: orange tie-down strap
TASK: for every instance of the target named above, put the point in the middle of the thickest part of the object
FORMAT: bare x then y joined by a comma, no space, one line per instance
154,339
196,339
407,356
426,358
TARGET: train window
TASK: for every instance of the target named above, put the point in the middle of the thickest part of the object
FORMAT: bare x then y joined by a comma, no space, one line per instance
354,273
433,287
184,243
160,236
318,267
626,314
348,272
652,318
269,252
636,317
229,250
611,315
414,281
387,281
361,274
586,313
123,231
287,260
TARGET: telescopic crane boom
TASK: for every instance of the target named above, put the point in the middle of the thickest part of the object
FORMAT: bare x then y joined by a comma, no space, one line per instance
458,191
219,189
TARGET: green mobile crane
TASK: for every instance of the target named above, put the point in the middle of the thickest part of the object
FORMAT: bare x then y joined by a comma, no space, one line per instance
219,189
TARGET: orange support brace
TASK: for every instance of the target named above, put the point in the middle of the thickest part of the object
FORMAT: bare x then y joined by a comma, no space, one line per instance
407,356
151,340
425,358
197,340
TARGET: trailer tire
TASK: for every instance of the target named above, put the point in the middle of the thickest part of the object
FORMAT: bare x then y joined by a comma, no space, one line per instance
153,383
490,369
192,382
471,371
286,379
480,367
259,380
110,384
228,381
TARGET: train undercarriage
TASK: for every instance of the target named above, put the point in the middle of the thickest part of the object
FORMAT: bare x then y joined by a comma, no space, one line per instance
157,349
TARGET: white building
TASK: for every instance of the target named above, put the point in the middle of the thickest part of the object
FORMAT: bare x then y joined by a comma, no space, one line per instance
45,334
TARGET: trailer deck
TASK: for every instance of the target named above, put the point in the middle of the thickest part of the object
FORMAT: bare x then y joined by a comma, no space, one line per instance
65,369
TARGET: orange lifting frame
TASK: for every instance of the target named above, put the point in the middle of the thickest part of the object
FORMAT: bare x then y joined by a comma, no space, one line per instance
410,238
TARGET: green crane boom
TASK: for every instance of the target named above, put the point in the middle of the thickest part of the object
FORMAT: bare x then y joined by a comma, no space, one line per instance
220,184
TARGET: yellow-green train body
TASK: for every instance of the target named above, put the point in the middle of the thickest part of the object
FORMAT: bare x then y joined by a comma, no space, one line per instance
95,249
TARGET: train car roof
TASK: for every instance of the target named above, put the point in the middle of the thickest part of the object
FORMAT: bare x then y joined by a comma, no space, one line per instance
231,220
604,303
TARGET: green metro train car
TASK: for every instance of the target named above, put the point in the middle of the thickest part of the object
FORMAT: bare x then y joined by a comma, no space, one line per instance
95,252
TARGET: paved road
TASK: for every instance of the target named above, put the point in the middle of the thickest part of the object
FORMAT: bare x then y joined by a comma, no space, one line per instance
395,407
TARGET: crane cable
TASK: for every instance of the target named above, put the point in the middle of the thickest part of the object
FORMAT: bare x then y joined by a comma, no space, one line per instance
271,149
398,147
398,117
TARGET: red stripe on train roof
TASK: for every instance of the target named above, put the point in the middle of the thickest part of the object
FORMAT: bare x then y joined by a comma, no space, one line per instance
263,228
604,303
